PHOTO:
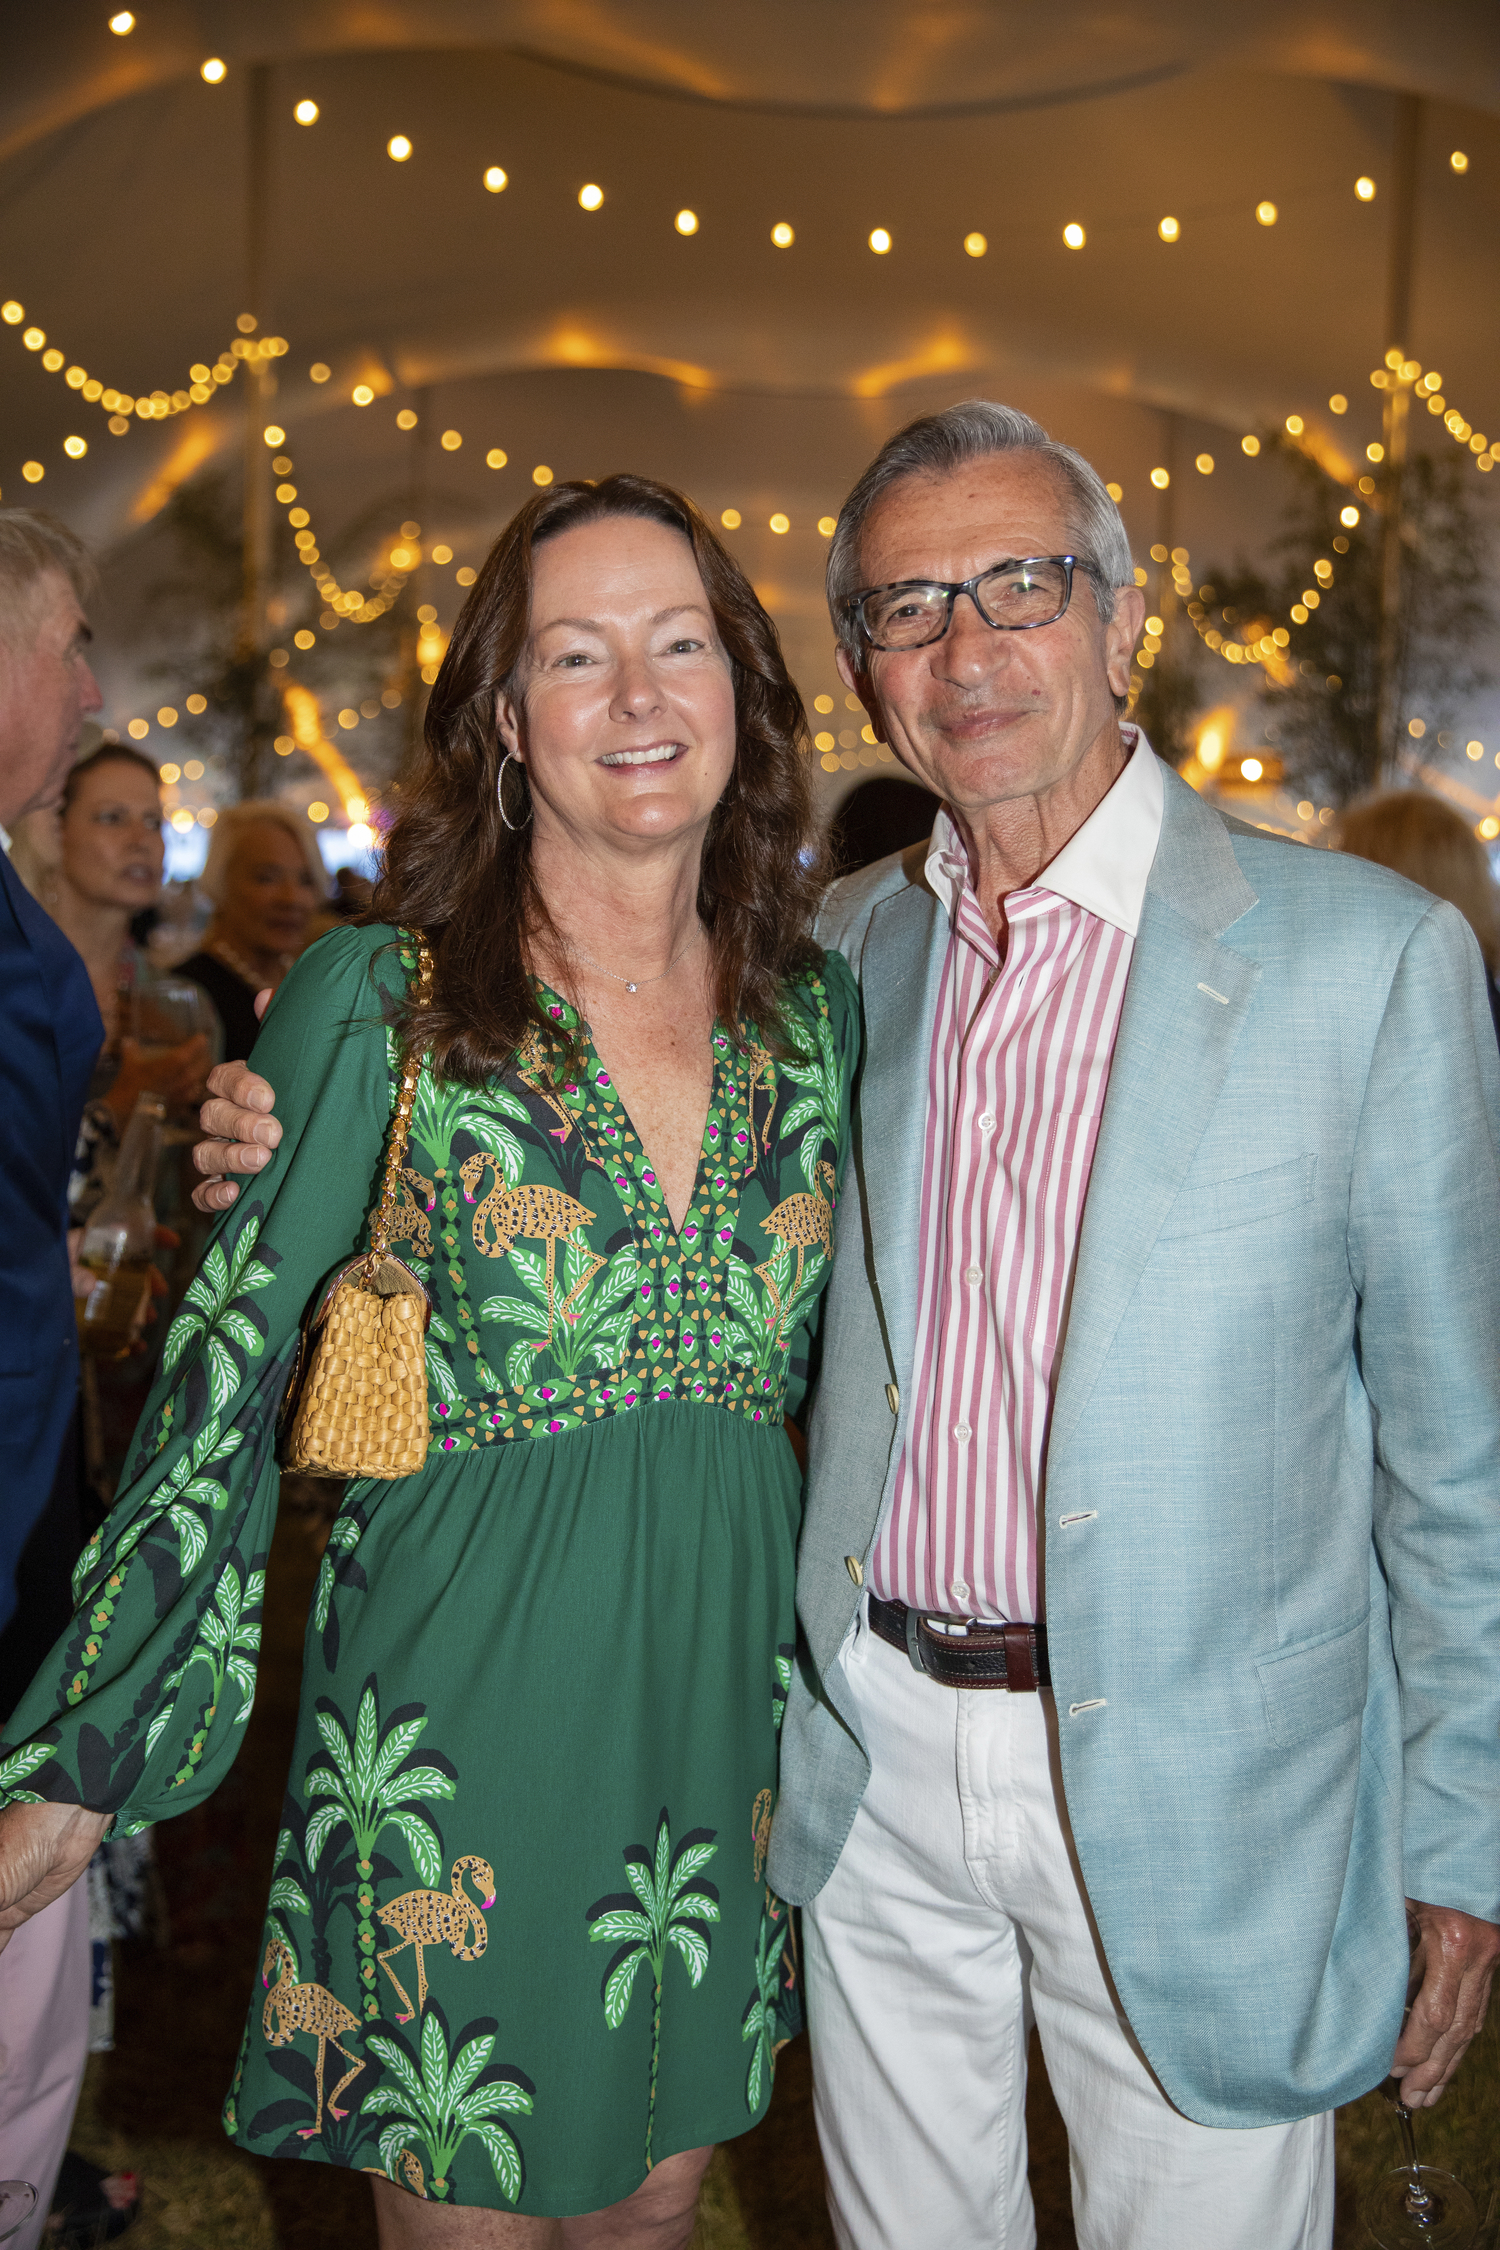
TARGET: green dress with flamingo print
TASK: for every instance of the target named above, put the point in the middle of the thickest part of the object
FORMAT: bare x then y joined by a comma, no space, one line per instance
518,1944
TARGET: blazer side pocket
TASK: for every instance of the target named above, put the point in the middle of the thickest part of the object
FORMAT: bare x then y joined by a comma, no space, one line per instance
1321,1685
1217,1205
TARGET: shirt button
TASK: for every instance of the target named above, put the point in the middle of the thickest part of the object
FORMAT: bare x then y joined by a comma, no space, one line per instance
972,1273
959,1589
962,1432
987,1121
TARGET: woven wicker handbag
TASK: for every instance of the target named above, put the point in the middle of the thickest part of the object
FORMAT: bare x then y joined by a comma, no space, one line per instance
357,1402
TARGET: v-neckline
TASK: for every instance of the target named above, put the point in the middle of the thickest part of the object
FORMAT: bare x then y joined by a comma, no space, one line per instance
712,1178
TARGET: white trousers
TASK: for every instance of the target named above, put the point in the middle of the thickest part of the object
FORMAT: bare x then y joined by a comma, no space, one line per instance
44,2044
954,1919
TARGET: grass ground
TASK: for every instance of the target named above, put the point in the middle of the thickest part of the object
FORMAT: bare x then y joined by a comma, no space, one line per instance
153,2105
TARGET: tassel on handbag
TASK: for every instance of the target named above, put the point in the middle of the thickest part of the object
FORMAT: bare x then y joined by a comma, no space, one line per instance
357,1402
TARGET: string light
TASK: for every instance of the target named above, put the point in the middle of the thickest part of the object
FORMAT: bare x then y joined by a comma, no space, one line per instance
590,196
541,475
1364,188
686,222
339,602
214,71
880,241
204,382
1169,230
1266,214
782,235
731,520
1204,464
1074,236
975,245
781,523
1459,161
306,113
496,178
122,24
398,148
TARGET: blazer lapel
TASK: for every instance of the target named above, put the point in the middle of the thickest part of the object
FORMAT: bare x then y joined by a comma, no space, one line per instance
1185,1000
900,969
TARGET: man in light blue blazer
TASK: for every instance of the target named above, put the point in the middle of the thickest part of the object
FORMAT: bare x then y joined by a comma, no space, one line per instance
1268,1515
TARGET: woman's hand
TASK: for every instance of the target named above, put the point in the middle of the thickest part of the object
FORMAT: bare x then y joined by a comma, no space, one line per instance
241,1133
176,1073
43,1851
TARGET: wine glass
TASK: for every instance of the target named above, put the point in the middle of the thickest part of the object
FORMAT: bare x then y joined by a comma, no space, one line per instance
17,2202
1417,2203
168,1010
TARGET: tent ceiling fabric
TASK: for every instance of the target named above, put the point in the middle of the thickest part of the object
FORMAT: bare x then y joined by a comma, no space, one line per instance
759,378
882,57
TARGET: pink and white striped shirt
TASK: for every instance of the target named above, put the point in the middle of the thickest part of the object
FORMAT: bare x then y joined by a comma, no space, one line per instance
1018,1070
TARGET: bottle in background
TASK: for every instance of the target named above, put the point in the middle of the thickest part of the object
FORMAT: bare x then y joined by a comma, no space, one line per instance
119,1241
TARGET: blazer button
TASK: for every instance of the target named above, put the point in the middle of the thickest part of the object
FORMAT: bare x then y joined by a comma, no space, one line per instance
855,1568
893,1397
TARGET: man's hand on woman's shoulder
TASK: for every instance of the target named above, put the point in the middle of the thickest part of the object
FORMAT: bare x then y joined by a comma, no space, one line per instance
242,1133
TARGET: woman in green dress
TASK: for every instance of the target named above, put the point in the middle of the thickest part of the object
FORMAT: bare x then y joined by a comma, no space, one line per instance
519,1953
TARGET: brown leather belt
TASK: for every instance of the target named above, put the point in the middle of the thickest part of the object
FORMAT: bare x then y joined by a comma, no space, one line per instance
980,1656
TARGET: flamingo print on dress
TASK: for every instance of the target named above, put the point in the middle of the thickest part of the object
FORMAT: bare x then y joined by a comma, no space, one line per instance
434,1918
535,1214
801,1222
309,2009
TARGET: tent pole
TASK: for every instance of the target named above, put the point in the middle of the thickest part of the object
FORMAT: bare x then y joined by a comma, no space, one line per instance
260,385
1406,141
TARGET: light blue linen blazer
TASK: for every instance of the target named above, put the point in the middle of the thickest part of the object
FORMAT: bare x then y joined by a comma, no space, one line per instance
1278,1408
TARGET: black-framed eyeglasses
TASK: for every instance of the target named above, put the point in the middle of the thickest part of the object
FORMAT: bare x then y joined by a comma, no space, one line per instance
1014,596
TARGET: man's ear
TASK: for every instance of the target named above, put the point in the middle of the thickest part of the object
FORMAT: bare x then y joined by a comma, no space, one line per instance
1121,634
863,686
852,679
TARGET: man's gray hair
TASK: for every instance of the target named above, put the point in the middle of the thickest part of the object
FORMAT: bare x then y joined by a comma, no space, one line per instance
936,444
35,546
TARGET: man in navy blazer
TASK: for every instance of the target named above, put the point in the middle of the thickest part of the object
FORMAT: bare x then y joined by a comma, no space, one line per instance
50,1036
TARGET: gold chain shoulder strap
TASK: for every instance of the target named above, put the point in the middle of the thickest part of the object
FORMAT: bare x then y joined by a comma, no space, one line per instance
411,1071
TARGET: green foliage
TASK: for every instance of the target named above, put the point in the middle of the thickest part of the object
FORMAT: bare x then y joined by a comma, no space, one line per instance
1324,721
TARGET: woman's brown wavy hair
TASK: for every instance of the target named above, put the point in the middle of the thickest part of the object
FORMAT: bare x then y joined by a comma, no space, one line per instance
453,868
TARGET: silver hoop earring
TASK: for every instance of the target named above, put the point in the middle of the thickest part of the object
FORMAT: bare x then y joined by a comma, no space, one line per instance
515,826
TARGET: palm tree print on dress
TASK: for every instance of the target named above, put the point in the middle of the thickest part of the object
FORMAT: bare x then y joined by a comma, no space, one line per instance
443,2099
818,1109
340,1566
596,1313
760,2022
668,1903
371,1784
781,1684
228,1643
213,1306
310,2009
422,1918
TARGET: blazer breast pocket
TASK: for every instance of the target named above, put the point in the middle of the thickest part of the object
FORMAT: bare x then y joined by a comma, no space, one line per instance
1214,1206
1309,1690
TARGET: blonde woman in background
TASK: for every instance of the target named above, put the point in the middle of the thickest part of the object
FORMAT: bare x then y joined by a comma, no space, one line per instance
1429,843
267,885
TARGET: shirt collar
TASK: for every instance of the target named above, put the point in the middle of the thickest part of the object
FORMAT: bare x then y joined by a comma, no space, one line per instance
1103,867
